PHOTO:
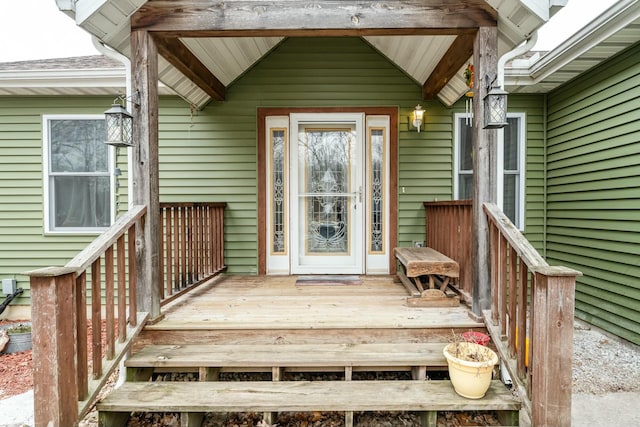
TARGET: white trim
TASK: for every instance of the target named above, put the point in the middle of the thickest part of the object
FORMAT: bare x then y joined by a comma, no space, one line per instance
353,263
276,263
377,263
46,118
522,156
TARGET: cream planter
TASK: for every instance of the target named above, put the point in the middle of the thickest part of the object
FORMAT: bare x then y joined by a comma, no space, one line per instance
470,368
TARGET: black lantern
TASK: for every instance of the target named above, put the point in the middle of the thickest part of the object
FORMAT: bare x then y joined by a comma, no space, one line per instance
119,126
495,108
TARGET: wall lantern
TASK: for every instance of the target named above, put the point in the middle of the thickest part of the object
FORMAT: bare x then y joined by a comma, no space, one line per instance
495,108
119,123
119,126
417,117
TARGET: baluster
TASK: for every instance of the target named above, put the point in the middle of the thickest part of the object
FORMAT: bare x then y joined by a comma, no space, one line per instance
109,306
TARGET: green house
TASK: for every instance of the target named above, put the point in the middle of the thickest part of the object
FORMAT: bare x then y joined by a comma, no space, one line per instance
568,176
283,139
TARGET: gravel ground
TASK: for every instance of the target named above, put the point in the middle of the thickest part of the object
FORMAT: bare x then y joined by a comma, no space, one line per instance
602,364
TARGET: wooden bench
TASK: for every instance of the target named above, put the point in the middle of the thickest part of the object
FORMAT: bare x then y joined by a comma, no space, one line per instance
193,399
419,263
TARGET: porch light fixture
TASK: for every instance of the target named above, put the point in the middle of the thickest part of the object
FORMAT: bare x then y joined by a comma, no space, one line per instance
119,124
495,107
417,117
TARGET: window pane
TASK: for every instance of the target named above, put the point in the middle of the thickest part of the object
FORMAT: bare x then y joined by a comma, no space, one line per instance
511,197
81,201
465,189
377,190
278,186
511,145
466,146
78,146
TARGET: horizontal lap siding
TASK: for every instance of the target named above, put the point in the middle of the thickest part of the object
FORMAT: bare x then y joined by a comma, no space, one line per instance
594,191
23,245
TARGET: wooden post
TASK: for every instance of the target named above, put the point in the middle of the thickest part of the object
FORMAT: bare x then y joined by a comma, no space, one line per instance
552,346
485,59
144,70
53,319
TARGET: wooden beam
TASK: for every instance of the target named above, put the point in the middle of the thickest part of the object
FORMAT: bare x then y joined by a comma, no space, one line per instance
174,51
290,15
485,60
144,70
457,55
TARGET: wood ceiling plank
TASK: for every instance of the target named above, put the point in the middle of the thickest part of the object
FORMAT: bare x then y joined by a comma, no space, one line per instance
294,15
457,54
174,51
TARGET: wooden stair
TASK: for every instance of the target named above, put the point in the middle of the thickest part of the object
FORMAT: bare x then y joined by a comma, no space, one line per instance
193,399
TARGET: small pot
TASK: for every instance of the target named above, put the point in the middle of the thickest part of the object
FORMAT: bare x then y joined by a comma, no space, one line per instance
470,379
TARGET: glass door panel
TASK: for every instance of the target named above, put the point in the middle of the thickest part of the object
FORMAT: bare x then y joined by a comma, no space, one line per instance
328,196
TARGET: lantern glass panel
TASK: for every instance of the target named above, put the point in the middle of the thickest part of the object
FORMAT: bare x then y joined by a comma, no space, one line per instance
119,127
495,109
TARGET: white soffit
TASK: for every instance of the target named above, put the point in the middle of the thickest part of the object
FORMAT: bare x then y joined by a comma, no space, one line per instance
228,58
416,55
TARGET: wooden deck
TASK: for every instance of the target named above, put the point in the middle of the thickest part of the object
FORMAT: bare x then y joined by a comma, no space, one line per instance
274,309
278,326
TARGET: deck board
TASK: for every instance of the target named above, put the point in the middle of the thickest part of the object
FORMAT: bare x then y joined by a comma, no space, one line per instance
302,396
290,355
275,302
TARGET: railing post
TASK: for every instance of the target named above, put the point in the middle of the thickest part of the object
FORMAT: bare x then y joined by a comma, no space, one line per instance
53,318
552,346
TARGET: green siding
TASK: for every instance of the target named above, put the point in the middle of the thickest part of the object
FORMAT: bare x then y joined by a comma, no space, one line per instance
594,191
23,245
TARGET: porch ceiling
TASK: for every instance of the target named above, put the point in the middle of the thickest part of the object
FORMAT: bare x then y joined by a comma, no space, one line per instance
206,45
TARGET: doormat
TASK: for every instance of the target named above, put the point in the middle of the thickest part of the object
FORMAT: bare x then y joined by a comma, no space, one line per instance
328,281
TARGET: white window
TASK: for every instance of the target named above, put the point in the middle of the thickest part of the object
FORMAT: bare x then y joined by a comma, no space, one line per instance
78,179
511,164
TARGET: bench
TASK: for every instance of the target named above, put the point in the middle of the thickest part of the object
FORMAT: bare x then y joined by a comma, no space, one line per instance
193,399
427,263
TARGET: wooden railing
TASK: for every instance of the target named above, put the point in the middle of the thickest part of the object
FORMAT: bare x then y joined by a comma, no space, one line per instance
192,245
68,365
531,321
448,230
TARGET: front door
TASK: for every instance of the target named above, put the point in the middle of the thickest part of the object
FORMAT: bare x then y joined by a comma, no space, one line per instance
327,193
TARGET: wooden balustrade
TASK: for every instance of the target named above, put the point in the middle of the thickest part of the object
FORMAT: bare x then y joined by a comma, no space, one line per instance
63,353
532,313
192,245
448,230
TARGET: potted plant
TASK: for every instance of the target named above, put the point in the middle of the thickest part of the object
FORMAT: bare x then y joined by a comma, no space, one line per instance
19,337
470,367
